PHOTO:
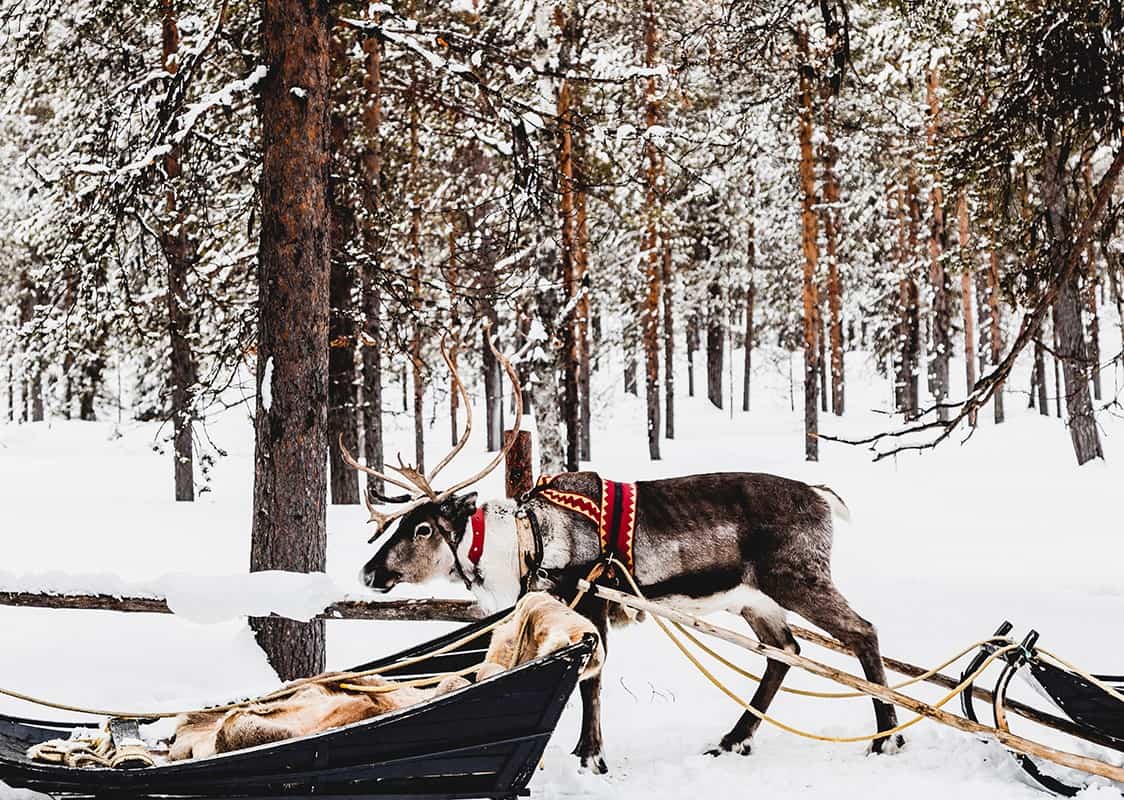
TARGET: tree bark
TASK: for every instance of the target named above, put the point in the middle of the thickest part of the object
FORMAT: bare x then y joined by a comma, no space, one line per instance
995,325
967,270
750,296
571,407
1040,373
692,346
715,343
545,366
810,247
940,345
653,178
1094,323
342,419
290,480
829,154
371,291
178,255
668,342
1068,328
581,276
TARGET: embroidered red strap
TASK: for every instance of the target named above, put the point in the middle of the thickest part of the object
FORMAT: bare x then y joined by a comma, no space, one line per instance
615,516
618,520
476,549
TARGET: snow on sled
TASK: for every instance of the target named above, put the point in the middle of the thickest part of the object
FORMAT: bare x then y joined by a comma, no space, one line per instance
482,741
1097,711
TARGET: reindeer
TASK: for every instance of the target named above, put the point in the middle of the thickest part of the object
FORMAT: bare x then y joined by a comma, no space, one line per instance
753,544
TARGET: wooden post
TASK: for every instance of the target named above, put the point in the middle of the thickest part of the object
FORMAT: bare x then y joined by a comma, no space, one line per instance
519,470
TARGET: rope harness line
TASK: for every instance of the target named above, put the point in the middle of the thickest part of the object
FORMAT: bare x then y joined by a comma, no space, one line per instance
726,690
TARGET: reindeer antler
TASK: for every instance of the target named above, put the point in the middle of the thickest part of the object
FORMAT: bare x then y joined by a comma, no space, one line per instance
420,486
518,390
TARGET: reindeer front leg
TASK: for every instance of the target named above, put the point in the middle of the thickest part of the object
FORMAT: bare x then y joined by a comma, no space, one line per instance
590,746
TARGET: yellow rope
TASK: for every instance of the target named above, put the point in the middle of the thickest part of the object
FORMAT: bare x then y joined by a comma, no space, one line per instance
828,695
718,684
394,687
274,695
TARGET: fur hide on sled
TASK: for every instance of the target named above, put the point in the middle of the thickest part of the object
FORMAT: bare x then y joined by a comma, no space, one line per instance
540,625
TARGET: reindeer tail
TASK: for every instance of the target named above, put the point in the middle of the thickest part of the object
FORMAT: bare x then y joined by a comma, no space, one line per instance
834,501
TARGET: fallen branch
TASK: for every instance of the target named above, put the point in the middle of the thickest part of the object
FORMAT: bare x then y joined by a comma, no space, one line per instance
431,610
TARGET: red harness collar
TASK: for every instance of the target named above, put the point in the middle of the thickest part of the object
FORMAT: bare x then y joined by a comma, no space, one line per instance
476,549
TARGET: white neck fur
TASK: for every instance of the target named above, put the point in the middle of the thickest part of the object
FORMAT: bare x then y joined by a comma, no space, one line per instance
498,569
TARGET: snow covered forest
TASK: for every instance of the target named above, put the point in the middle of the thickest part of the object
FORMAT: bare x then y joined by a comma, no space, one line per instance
876,244
617,187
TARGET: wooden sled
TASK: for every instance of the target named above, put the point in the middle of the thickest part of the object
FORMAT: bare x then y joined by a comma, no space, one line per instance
482,741
1097,716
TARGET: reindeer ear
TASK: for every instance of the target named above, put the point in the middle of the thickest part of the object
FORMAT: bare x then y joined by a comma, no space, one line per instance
467,504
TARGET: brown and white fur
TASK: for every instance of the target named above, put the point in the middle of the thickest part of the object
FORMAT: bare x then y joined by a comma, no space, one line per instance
541,625
753,544
313,708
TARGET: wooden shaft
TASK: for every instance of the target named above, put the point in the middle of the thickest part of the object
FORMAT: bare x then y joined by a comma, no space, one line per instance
1017,743
948,682
442,610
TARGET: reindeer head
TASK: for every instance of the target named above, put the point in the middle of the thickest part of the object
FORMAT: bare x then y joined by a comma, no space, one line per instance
432,524
422,547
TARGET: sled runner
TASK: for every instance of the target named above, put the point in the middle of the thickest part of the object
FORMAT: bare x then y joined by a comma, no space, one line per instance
1097,714
482,741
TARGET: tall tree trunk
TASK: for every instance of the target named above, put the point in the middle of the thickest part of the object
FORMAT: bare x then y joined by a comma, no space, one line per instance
581,277
668,342
829,154
1040,372
290,480
1068,327
31,400
371,291
750,296
967,261
547,365
715,343
342,419
1094,324
995,325
941,344
417,365
178,255
692,346
653,178
571,408
810,246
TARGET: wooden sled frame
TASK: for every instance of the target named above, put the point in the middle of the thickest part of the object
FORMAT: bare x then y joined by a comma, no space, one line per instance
482,741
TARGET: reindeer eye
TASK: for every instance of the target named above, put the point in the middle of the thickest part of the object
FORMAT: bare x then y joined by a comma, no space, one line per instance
422,530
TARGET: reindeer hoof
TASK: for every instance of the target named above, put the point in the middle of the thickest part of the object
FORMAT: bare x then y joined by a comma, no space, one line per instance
743,747
592,762
887,746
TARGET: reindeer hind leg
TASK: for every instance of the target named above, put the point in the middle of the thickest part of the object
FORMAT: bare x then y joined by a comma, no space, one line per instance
825,606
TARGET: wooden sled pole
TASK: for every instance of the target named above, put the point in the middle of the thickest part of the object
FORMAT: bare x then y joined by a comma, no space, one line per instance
912,670
1017,743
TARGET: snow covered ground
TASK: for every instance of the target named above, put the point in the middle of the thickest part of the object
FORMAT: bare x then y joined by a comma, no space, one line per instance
942,548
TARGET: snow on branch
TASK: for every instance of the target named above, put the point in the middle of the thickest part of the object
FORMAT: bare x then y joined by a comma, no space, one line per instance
186,121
